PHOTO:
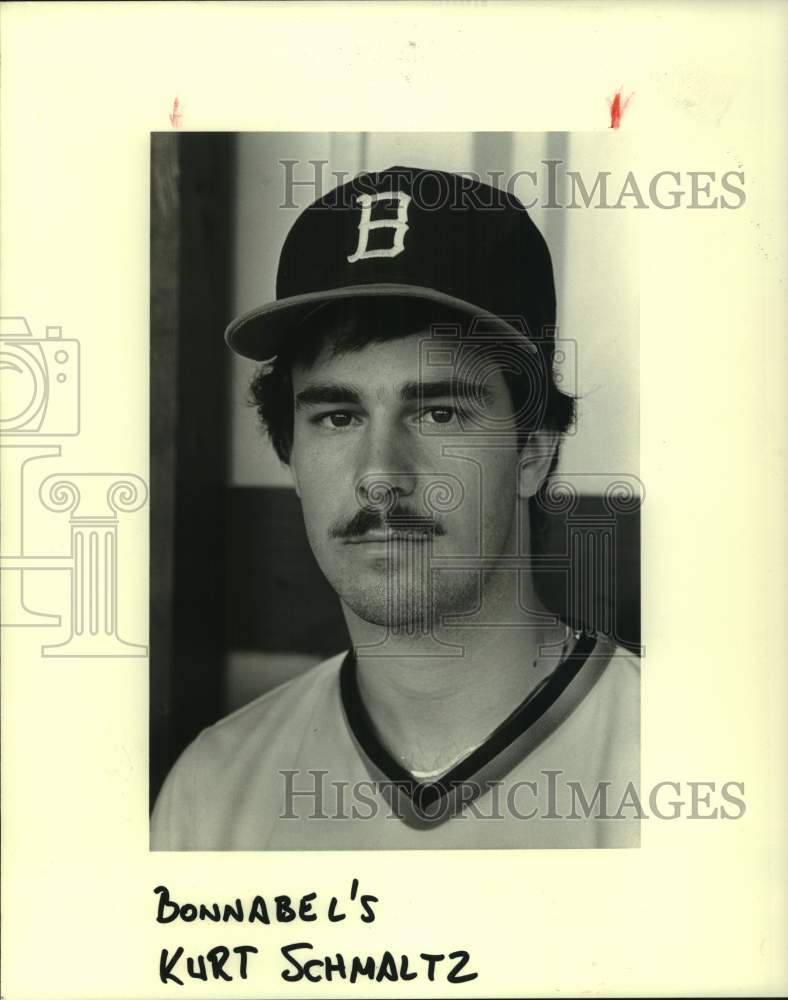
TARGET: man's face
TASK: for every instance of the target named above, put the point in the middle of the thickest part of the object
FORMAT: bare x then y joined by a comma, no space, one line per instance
386,476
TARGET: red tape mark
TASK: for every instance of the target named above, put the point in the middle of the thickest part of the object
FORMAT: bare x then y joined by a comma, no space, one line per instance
175,114
618,106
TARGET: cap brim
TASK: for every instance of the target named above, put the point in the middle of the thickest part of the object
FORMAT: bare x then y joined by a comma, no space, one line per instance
258,334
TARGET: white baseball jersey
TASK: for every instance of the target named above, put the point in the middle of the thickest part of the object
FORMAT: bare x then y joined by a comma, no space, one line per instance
301,768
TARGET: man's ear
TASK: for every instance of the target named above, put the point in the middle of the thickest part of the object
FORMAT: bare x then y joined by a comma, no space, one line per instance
535,461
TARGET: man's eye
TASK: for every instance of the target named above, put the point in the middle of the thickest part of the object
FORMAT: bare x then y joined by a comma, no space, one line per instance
336,420
439,415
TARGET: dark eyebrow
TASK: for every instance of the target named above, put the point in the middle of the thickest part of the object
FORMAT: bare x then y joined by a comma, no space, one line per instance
322,393
319,393
447,388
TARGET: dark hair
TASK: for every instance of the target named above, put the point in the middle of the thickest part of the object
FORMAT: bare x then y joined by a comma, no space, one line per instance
352,324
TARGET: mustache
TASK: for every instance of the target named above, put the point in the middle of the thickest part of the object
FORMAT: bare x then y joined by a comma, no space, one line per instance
398,519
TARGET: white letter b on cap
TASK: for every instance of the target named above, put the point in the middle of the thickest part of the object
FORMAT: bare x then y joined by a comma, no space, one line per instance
399,225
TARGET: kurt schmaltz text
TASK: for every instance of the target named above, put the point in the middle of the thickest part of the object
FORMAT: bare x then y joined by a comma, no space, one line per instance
299,961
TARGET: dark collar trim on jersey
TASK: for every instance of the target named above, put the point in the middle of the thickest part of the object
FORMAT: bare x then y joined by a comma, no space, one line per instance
424,794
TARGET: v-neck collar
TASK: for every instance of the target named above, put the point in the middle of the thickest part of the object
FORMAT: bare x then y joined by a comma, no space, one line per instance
423,795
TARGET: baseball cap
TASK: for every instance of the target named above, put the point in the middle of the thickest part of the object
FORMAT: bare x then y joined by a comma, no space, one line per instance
408,233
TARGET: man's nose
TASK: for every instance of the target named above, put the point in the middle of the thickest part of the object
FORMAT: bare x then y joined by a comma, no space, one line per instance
384,470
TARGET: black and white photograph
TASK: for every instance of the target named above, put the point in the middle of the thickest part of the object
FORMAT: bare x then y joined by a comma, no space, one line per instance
392,486
401,466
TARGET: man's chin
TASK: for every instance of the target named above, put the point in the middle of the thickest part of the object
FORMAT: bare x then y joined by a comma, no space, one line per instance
392,620
387,600
378,597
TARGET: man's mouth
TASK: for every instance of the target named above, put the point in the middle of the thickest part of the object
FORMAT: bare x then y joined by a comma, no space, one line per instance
369,527
389,536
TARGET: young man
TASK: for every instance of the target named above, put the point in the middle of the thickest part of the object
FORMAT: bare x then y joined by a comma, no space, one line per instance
407,381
